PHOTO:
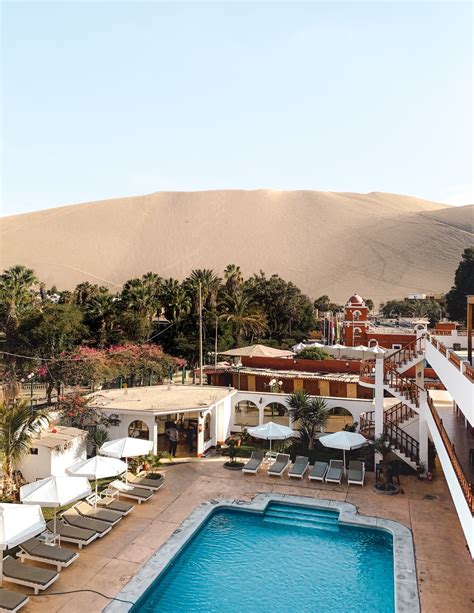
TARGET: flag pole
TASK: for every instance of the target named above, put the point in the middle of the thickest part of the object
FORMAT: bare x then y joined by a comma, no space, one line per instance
200,334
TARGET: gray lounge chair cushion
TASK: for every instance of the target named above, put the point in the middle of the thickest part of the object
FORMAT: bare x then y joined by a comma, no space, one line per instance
71,516
49,552
319,470
255,460
116,505
300,465
356,471
87,510
13,569
335,470
145,481
138,492
67,531
280,463
11,600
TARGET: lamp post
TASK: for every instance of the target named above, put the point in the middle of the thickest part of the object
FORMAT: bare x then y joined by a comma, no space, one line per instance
31,379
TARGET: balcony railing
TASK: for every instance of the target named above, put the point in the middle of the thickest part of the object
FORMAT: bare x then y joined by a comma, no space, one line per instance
463,366
466,487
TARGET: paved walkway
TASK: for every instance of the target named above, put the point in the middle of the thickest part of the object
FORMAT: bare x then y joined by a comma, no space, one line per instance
445,570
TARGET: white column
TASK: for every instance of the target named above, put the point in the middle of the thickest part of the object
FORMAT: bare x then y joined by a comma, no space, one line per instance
200,435
154,431
378,398
423,429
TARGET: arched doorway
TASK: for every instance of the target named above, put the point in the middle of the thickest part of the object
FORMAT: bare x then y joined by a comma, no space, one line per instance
276,412
139,429
339,417
207,428
246,414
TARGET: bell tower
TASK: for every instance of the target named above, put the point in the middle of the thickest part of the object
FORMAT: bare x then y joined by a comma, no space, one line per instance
356,321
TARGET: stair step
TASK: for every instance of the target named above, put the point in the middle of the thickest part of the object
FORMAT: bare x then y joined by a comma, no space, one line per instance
303,512
307,518
330,527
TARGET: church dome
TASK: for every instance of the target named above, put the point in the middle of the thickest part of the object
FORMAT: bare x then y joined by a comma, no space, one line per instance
355,300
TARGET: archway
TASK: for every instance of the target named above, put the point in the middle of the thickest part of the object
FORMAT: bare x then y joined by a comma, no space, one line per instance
338,418
276,412
246,414
139,429
207,428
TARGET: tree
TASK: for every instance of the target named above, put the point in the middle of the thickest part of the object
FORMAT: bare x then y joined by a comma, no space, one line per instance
101,315
369,303
311,415
246,319
313,353
233,278
324,304
98,436
18,427
382,445
463,286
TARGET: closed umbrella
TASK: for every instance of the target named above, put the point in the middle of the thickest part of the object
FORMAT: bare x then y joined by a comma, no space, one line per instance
18,524
55,492
271,432
126,448
344,440
98,467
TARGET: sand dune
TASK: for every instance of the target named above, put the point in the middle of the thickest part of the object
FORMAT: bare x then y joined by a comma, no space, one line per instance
380,245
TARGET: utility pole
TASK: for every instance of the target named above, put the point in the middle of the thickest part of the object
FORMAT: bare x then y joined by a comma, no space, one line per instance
200,335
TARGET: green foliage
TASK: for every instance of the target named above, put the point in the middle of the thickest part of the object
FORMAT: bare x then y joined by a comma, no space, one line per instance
324,304
463,286
311,415
98,436
430,308
313,353
18,427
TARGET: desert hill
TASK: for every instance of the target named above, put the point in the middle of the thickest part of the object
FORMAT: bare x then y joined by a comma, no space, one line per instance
380,245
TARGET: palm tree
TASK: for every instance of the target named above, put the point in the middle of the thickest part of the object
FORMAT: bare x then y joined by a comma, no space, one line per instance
98,436
210,284
310,413
176,301
141,296
101,309
84,292
18,427
233,278
246,319
382,445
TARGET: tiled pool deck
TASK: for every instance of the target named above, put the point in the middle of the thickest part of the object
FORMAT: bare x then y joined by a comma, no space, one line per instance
444,568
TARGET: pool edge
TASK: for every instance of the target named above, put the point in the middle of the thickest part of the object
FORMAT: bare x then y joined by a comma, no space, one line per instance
405,578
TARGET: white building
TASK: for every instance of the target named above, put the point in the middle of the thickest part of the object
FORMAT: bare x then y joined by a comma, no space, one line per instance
54,450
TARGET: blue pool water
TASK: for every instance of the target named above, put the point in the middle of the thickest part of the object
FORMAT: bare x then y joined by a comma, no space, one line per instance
290,559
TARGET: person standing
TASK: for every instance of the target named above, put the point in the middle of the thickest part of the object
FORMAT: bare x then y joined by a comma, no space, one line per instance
173,436
190,438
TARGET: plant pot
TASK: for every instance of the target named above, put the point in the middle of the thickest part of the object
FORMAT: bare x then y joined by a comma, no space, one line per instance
387,489
234,465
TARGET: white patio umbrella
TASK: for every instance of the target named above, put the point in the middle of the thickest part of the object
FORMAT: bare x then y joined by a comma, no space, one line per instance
338,346
18,524
55,492
344,440
377,350
271,432
98,467
126,448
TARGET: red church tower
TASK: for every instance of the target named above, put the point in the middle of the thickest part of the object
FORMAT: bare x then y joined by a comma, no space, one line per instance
356,321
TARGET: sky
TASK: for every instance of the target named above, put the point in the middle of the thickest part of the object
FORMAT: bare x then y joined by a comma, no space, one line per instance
118,98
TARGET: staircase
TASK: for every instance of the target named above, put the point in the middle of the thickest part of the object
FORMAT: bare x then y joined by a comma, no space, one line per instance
302,517
408,356
404,446
401,387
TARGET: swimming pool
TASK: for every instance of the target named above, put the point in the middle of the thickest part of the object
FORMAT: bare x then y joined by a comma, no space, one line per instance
287,559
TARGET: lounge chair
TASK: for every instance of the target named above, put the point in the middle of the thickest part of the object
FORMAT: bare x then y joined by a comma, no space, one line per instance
140,494
31,576
111,502
33,549
254,463
70,534
279,465
144,481
356,473
12,601
88,510
334,474
73,518
300,466
318,472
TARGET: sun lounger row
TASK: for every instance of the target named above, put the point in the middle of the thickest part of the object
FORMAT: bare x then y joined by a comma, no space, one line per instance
321,471
81,524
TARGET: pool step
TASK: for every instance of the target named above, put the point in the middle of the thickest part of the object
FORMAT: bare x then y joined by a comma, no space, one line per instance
304,517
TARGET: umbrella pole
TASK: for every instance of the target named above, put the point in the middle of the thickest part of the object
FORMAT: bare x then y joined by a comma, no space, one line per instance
95,498
55,510
344,456
1,566
126,474
270,445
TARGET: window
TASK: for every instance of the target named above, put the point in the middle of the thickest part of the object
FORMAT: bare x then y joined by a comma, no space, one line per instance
396,346
33,450
276,412
356,315
246,413
138,429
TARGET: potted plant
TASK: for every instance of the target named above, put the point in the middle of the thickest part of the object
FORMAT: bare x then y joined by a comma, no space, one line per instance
232,452
383,446
420,470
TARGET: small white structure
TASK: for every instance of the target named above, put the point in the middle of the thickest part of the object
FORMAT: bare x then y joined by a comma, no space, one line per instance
54,450
144,412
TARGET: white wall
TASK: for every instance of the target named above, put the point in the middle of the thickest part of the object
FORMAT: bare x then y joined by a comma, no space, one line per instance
457,384
60,460
355,406
50,462
38,466
462,509
449,339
